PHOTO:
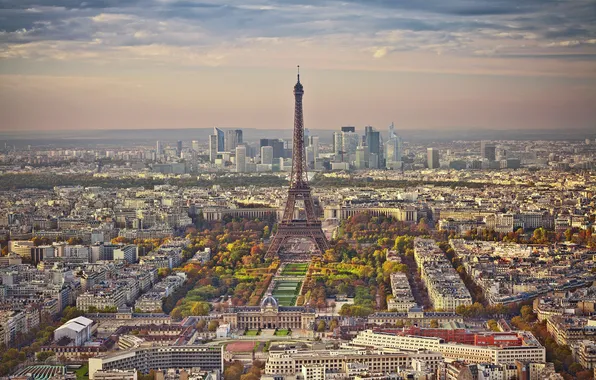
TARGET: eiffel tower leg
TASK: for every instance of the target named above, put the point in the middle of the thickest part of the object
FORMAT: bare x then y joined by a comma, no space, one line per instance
320,241
290,207
275,245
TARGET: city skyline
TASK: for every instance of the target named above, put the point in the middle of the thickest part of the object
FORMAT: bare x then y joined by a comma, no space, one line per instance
165,65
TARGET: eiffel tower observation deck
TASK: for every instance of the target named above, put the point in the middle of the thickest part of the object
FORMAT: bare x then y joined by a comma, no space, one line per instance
299,191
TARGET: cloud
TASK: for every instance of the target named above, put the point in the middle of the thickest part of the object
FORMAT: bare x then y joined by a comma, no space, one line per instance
188,32
381,52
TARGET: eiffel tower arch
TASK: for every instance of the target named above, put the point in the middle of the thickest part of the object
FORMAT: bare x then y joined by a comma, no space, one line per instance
299,191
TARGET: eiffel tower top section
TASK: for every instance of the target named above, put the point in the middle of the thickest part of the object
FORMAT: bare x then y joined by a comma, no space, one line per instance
299,178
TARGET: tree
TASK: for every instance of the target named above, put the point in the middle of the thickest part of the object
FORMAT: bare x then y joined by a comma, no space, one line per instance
527,314
201,324
234,371
249,376
43,355
321,326
163,272
493,325
213,325
200,308
434,323
333,324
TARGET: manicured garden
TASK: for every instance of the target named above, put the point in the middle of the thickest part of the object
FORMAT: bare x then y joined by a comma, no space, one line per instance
295,269
286,292
282,332
251,333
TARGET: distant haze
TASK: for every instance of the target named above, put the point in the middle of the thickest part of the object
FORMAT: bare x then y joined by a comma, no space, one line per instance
426,65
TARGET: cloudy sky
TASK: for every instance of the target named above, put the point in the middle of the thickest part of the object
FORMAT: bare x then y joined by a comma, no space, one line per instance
499,64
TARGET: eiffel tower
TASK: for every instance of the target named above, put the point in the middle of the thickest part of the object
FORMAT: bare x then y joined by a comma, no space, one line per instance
309,228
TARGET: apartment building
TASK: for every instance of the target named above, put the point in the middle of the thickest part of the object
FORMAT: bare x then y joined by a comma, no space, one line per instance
530,350
161,357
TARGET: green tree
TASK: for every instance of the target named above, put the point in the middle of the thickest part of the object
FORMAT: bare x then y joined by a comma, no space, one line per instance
493,325
200,308
527,314
43,355
321,326
213,325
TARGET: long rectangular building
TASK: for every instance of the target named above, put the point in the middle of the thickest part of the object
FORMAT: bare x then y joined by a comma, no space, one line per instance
530,350
288,362
162,357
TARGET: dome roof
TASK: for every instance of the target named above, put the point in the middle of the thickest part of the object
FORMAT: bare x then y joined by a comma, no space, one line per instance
269,300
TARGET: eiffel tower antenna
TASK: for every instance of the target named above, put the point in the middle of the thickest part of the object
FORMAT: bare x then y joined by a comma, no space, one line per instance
309,228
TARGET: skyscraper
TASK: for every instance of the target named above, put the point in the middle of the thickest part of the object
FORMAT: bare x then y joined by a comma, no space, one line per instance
345,144
392,133
314,143
267,155
488,151
179,148
338,144
372,140
195,145
233,139
393,152
240,159
361,153
158,147
212,148
220,139
276,144
432,158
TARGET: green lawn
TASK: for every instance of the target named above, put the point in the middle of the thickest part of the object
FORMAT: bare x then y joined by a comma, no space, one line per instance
295,269
252,333
282,332
82,372
286,292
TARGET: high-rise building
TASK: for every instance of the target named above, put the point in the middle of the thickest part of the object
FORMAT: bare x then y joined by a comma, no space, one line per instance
373,161
158,147
195,145
212,148
345,144
392,133
373,141
276,144
314,143
233,139
267,155
488,151
240,158
393,152
432,158
179,148
337,144
350,141
220,139
361,153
